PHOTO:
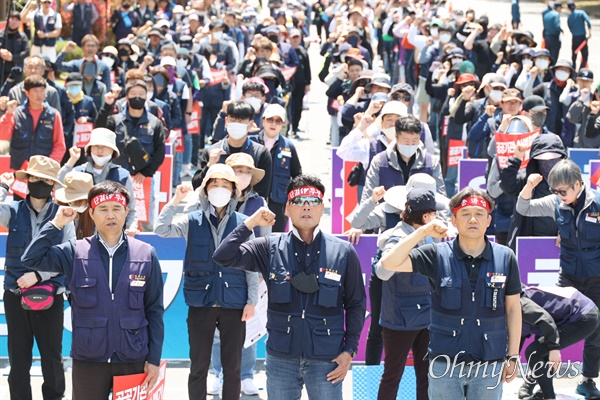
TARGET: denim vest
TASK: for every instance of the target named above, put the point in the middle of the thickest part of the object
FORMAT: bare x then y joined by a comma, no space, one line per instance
25,141
103,322
282,162
19,237
580,237
205,283
299,324
390,177
463,322
38,21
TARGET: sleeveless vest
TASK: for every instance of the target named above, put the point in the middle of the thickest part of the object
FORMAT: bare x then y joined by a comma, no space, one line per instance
282,162
390,177
38,21
25,141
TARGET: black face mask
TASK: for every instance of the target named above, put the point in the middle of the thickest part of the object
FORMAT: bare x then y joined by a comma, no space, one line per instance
127,6
538,118
305,283
39,189
136,103
352,40
273,38
123,52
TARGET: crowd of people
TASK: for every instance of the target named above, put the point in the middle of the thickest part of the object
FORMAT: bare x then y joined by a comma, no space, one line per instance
410,84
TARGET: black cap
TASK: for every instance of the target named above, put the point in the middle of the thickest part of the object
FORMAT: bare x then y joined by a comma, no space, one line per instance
585,73
420,200
74,77
557,4
534,103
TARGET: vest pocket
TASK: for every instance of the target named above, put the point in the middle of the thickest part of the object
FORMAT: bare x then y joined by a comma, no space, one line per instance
327,342
328,292
90,336
444,340
564,224
450,298
494,345
136,296
196,289
235,295
280,291
134,339
413,315
280,337
493,296
86,292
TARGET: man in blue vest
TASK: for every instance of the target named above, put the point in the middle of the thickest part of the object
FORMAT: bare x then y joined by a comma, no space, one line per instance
408,156
216,296
23,220
576,209
90,46
317,300
14,46
85,16
577,22
48,25
552,29
475,310
117,304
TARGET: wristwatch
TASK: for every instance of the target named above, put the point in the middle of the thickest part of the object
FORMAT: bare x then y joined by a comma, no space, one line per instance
352,352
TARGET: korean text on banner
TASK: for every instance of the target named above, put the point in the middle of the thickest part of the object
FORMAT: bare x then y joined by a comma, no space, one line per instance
176,137
83,131
507,142
142,193
455,150
193,127
218,76
128,387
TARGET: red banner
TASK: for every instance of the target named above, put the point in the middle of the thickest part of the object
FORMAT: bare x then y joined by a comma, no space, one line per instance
142,193
176,137
288,73
455,150
507,142
128,387
83,133
193,127
218,76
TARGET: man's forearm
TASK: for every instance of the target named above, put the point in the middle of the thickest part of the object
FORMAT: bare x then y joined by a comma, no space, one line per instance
513,323
395,259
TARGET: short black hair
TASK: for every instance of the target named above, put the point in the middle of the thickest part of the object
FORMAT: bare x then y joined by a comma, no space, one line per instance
305,180
32,82
409,124
253,87
415,217
108,187
354,61
240,110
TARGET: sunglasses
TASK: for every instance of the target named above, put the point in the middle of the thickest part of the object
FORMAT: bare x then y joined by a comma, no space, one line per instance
301,200
562,193
276,121
401,97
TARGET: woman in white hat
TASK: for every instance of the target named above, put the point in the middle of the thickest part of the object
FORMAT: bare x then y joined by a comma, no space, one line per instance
216,296
101,149
75,194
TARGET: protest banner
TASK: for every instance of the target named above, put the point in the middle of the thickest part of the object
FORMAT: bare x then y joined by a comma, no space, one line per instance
507,142
142,194
455,151
83,132
582,158
129,387
337,193
193,128
218,76
471,173
595,174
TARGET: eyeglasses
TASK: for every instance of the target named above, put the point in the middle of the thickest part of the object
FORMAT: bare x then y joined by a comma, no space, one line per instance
562,193
401,97
34,179
276,121
301,200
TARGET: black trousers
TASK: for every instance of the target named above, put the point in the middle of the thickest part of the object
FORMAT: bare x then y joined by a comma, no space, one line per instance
280,219
47,329
553,45
374,339
575,43
296,106
397,345
202,322
94,380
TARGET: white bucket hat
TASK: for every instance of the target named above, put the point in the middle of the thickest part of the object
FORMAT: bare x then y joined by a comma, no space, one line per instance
103,137
222,171
395,197
391,107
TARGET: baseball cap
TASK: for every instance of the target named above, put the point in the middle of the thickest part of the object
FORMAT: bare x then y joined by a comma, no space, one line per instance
511,94
535,104
274,110
586,74
420,199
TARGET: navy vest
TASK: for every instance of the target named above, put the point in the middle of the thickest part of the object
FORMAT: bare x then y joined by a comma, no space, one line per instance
390,177
82,21
19,237
580,239
205,283
38,21
115,174
251,205
405,302
103,324
25,141
310,325
467,323
282,162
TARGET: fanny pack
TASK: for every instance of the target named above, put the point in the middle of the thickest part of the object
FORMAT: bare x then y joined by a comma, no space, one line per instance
136,153
38,298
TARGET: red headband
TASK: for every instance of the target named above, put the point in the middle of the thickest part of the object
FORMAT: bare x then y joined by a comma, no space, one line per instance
103,198
472,201
305,191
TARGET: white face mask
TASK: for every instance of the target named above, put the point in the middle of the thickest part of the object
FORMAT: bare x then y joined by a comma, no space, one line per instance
407,150
433,32
80,209
101,161
245,180
389,133
495,96
219,197
108,61
181,63
562,75
150,95
527,62
217,35
237,130
254,102
542,63
445,37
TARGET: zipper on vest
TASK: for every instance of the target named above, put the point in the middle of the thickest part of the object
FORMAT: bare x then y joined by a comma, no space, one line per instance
324,321
462,321
472,296
303,311
110,276
478,323
418,306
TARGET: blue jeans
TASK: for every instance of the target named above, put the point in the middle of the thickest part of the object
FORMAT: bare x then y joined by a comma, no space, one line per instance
447,381
450,181
248,358
187,148
286,376
177,163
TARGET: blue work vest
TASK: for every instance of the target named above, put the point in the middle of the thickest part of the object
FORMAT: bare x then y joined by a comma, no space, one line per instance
580,239
205,283
19,237
103,322
26,142
50,26
466,323
405,302
300,324
282,174
251,205
390,177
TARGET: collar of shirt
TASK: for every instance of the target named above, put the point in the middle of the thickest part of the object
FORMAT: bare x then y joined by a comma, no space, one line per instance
270,142
486,254
297,234
112,250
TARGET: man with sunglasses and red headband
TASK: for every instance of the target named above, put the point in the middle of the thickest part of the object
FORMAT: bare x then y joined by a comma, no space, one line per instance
576,209
475,309
116,293
317,297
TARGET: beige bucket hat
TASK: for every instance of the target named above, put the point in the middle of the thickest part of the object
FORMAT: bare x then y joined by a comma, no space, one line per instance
78,185
41,167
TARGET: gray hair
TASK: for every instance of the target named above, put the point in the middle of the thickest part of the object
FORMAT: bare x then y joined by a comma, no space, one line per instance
565,172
